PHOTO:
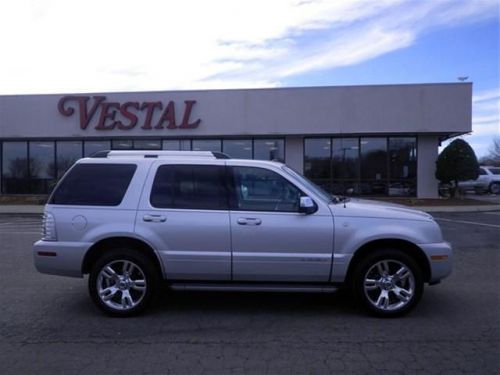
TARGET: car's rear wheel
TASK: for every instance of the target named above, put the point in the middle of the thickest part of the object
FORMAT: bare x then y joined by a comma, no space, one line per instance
388,283
122,282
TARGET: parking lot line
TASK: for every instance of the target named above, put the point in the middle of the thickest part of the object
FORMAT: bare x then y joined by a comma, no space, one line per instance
468,222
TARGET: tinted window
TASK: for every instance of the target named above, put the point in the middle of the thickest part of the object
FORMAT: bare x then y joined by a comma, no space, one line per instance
258,189
94,185
189,187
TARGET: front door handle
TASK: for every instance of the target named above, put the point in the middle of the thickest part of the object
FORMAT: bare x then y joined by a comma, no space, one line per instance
154,218
249,221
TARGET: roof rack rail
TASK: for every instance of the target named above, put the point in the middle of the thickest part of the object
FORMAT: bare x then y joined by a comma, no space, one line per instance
158,154
100,154
220,155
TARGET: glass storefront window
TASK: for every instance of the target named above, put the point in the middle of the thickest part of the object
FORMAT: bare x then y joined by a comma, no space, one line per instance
373,166
91,147
122,144
345,165
67,153
317,161
15,175
269,149
402,166
207,145
238,148
150,144
42,167
172,145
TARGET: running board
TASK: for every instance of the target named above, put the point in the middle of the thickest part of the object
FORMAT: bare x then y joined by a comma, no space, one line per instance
242,287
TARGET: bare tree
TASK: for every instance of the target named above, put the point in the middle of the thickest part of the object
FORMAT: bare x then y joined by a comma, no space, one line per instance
493,158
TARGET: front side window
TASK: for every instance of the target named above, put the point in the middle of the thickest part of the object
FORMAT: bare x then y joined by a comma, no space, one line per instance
94,185
189,187
259,189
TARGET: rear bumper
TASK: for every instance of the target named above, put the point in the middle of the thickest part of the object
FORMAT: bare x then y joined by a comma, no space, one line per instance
440,257
60,258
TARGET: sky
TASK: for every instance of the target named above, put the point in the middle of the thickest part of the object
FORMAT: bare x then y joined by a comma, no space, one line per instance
65,46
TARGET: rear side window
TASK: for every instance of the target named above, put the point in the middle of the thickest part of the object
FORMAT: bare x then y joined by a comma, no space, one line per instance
94,185
190,187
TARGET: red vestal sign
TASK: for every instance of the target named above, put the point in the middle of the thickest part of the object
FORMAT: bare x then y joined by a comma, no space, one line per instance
125,116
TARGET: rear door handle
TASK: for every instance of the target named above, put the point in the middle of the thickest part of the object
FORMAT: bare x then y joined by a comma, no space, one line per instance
249,221
154,218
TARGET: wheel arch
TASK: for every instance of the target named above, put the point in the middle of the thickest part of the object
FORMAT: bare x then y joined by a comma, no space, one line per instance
100,247
407,247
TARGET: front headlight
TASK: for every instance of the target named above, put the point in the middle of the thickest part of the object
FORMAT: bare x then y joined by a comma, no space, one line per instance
49,227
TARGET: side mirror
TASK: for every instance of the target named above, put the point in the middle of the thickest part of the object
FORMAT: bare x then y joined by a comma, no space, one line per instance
307,206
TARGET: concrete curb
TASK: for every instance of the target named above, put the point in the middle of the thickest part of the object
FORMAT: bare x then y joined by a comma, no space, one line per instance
482,208
21,209
38,209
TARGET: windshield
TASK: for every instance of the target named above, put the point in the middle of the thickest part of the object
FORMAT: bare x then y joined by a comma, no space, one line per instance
309,184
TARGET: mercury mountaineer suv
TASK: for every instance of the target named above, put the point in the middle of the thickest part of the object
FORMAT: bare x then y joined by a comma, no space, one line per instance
200,220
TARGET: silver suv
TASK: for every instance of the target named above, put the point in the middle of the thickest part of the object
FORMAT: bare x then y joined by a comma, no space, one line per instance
200,220
488,180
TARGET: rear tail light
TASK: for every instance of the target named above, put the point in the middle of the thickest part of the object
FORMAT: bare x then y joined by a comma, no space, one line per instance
49,227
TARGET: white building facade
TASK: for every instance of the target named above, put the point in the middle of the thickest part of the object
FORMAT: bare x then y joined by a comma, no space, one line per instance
378,140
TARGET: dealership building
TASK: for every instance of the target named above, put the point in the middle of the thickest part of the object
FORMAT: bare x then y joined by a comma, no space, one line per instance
379,140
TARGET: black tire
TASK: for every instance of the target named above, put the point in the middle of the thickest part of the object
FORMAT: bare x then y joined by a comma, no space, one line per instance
121,282
495,188
380,288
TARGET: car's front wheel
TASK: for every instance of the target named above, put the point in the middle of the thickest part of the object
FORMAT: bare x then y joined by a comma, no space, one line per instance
495,188
122,282
388,283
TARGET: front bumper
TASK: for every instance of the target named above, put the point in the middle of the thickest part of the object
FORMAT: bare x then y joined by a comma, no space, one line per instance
60,258
440,257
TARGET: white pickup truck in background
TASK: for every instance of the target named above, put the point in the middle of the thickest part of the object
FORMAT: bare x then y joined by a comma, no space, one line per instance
488,181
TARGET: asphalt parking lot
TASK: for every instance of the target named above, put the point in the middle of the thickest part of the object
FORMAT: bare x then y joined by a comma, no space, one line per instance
49,326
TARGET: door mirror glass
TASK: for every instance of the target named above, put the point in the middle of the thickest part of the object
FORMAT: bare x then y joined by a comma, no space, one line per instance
307,205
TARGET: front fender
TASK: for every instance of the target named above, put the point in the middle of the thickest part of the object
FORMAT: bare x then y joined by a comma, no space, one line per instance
352,233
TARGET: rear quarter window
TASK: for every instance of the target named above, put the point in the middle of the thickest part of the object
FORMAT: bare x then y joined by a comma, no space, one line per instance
94,185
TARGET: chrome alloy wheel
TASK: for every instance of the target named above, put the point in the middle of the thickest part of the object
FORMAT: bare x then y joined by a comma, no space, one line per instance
389,285
121,285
